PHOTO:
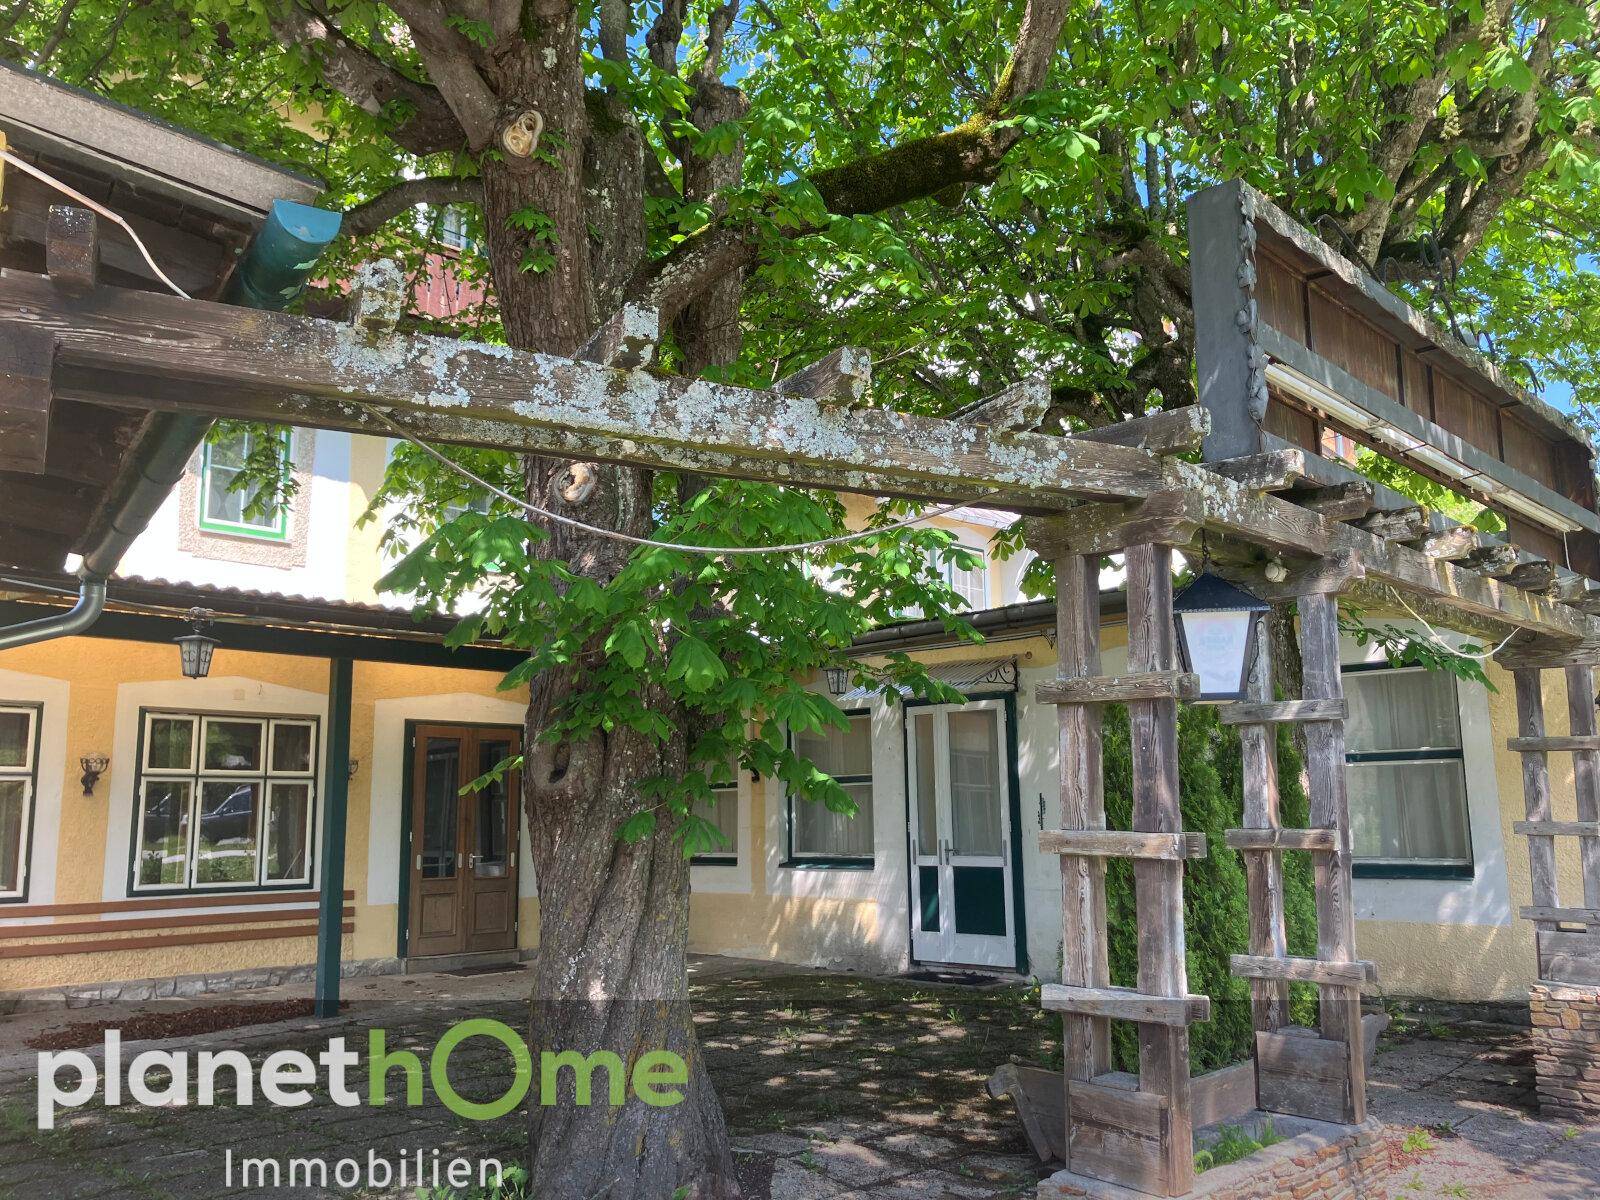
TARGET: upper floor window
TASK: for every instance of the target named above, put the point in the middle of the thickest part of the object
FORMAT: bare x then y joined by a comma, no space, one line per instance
451,228
971,584
225,508
19,773
817,834
223,801
1408,789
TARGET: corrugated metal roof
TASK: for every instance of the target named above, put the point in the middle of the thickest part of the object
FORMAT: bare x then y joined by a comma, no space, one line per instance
979,675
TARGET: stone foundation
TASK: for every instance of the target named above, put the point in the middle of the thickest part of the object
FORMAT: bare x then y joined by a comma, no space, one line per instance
132,991
1315,1161
1566,1050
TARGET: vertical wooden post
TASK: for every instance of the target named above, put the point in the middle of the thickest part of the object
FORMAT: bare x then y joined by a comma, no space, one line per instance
1330,809
1258,750
335,796
1158,884
1085,961
1581,722
1536,794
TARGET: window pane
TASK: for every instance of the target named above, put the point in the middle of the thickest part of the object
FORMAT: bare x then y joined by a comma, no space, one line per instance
222,502
230,449
16,737
927,800
13,828
291,746
840,752
286,831
440,797
972,585
975,782
492,826
1400,710
170,744
724,814
233,746
164,836
818,831
1409,810
227,851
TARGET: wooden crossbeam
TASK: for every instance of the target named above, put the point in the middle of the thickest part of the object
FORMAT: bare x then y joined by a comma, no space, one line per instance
72,248
120,346
1119,689
1569,916
1302,970
1168,518
1269,471
1457,543
1397,525
1019,407
1283,712
1282,839
1557,745
1122,843
1339,501
1173,431
1125,1004
1583,829
841,377
1494,560
1536,575
27,358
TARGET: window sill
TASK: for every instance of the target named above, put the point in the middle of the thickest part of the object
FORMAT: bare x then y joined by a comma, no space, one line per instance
828,864
1455,871
713,860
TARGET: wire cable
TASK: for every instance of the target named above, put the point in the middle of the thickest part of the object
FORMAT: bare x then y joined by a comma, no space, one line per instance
1437,638
93,206
790,548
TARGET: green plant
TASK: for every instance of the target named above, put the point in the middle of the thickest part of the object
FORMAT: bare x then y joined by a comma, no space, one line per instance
1418,1141
514,1185
1233,1143
1458,1190
1216,918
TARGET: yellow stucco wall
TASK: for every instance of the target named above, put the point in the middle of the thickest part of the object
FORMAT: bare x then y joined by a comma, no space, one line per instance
94,669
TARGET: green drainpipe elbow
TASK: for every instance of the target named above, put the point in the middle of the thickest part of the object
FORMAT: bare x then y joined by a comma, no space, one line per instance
282,256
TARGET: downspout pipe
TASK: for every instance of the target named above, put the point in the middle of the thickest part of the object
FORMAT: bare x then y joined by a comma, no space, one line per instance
273,272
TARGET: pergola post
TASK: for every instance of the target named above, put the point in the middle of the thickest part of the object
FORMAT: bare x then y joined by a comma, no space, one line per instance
1133,1130
335,798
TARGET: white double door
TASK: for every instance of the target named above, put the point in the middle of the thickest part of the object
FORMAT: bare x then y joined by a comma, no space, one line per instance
960,826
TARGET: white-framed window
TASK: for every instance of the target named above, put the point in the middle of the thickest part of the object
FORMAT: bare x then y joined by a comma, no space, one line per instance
724,814
1407,781
971,584
223,801
19,774
224,509
817,835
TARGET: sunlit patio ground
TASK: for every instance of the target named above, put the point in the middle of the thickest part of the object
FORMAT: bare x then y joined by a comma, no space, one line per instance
834,1086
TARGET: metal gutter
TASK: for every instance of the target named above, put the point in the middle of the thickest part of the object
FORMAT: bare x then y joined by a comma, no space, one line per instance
1031,617
276,267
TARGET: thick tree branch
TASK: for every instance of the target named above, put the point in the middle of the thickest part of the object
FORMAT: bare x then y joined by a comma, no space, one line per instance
372,214
369,82
968,155
453,68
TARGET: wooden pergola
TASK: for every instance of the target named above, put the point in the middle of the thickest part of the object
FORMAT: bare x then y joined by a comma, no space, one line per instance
1267,512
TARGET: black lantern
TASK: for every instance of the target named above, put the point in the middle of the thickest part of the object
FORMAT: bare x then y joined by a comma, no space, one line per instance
838,680
1216,634
195,648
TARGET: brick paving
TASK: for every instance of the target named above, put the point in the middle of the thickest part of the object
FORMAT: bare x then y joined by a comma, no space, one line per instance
839,1086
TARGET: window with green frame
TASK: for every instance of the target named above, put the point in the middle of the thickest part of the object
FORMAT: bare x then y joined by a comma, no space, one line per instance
227,509
817,836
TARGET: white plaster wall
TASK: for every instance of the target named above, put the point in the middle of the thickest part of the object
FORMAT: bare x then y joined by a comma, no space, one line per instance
214,694
50,777
389,765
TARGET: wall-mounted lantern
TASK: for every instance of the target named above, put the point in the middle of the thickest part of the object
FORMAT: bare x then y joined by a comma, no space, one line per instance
195,648
1216,632
94,766
838,680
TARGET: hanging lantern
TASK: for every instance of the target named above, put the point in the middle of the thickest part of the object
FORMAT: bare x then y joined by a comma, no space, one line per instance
1216,634
838,680
195,648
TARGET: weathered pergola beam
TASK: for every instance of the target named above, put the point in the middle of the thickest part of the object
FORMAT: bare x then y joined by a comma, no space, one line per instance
124,347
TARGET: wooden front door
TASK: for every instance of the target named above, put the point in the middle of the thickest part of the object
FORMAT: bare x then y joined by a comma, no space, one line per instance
463,857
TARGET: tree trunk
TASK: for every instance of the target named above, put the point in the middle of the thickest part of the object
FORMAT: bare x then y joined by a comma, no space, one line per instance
613,918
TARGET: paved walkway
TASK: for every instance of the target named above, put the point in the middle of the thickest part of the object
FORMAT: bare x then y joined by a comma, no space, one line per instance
835,1086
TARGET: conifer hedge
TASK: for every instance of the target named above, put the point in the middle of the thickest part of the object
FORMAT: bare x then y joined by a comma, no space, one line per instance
1215,916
